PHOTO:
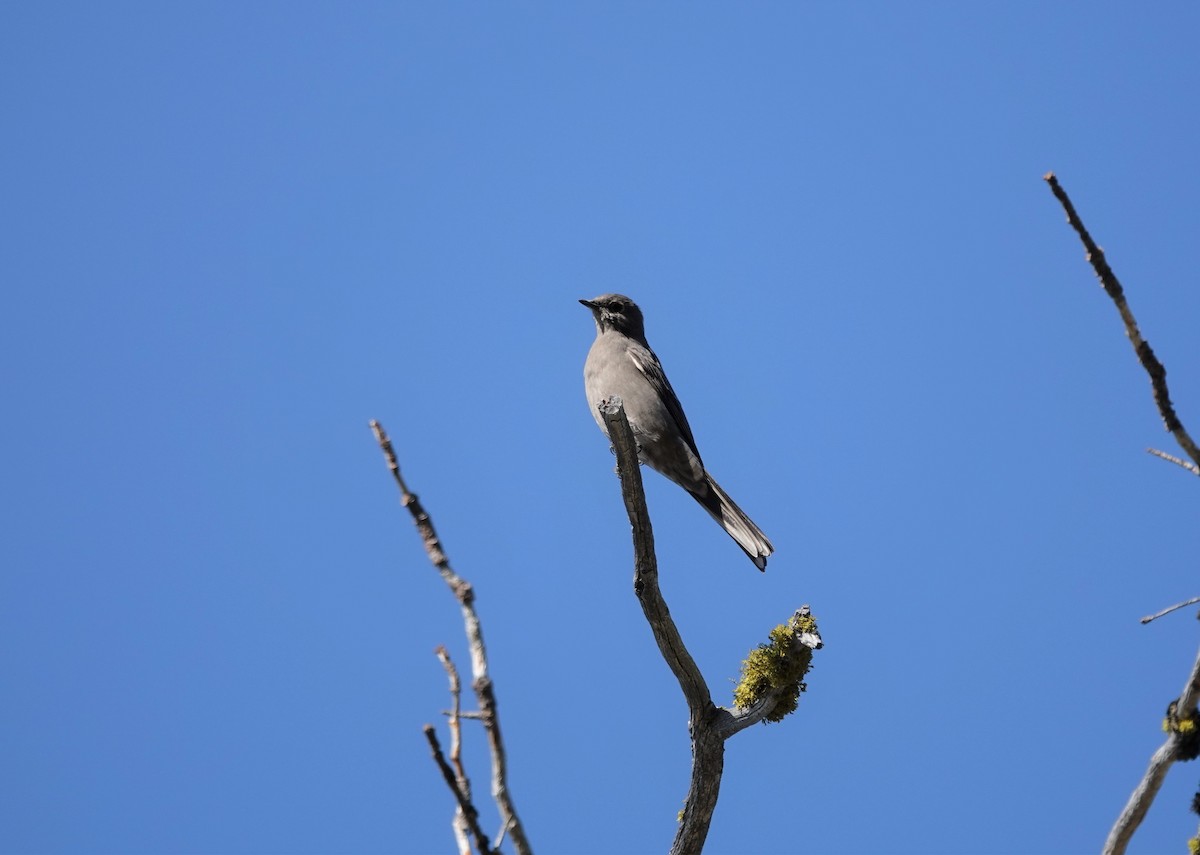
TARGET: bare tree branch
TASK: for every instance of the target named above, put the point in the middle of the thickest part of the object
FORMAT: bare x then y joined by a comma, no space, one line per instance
708,748
1181,723
773,676
1170,609
1143,796
708,724
471,715
467,809
460,824
645,564
481,683
1108,279
1171,458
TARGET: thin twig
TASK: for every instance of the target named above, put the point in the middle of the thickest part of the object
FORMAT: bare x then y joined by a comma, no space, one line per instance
459,823
1112,286
481,683
1170,609
455,729
433,546
464,801
1171,458
498,842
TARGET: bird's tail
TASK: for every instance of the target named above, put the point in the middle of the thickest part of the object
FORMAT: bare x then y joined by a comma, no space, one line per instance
734,520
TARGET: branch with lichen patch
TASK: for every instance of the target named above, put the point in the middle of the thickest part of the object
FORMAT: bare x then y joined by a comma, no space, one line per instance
1182,737
709,725
773,674
1181,730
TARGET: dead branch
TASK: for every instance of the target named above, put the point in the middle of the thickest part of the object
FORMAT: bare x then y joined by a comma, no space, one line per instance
1145,355
1171,458
1143,795
1185,708
468,811
708,724
481,683
460,825
1170,609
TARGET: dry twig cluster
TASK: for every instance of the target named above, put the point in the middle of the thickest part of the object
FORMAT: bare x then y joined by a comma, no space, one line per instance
466,818
1181,718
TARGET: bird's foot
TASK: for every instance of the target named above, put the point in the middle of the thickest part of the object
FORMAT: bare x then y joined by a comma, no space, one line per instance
612,449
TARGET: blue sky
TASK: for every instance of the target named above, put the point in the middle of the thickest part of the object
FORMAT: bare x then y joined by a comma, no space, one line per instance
236,232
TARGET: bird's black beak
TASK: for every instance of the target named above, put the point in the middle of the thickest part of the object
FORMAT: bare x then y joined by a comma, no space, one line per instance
590,304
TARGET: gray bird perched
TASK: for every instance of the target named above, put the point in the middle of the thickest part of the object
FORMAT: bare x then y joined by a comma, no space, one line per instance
622,363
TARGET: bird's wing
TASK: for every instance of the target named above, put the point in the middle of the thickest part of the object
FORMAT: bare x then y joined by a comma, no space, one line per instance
647,363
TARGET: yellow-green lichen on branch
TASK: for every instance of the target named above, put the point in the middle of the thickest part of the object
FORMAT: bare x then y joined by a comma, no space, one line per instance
1188,729
779,668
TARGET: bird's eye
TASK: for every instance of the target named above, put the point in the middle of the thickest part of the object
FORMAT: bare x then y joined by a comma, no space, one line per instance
616,306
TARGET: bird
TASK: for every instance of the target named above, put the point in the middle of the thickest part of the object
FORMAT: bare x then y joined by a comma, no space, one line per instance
620,362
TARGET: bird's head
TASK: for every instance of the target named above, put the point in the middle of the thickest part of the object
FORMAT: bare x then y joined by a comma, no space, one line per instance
617,313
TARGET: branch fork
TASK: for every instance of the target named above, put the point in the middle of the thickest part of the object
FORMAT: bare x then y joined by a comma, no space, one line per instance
1181,715
708,724
466,816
